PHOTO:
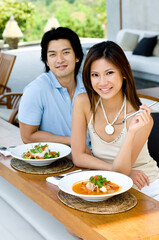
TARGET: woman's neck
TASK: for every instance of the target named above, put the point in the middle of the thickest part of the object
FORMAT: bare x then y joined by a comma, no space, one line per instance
113,104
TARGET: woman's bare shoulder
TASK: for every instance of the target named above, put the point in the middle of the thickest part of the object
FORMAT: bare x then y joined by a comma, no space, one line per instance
82,98
82,102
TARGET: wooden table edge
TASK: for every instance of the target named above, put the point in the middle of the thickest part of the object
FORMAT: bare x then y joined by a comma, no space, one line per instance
85,231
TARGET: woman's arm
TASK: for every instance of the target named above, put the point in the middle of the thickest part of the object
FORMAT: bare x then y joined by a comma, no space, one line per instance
78,136
138,132
31,134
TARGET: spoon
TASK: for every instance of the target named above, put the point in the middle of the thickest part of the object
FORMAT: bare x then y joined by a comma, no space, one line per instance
6,148
131,115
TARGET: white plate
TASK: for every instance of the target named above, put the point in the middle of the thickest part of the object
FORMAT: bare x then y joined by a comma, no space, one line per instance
65,184
18,151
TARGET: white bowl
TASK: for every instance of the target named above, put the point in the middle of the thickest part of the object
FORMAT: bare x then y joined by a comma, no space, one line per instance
18,151
66,183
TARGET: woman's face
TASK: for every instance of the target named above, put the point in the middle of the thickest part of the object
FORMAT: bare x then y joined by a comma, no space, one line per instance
106,78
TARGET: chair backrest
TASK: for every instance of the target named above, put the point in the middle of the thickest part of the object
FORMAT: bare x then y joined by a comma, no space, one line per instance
6,65
13,100
153,139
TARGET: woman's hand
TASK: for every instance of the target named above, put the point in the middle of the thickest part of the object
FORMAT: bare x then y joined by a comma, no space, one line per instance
141,119
139,178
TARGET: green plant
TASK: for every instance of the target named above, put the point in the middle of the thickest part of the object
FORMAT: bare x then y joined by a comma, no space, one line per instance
21,10
86,17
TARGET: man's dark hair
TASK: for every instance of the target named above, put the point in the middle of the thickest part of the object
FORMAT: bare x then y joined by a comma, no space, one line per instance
62,33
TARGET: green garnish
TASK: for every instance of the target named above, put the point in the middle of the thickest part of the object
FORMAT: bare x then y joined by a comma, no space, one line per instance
98,180
39,148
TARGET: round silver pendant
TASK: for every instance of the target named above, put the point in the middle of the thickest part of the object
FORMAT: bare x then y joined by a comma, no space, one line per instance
109,129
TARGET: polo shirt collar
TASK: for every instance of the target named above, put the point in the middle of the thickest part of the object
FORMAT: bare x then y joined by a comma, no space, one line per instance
80,85
54,79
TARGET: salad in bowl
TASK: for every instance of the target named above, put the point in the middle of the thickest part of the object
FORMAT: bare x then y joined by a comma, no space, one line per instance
40,154
40,151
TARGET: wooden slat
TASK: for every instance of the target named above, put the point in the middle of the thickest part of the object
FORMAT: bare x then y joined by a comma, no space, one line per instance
6,65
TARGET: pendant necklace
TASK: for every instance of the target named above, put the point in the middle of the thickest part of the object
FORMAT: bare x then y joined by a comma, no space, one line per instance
109,129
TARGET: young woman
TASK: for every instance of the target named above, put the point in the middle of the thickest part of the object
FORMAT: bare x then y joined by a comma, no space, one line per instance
111,96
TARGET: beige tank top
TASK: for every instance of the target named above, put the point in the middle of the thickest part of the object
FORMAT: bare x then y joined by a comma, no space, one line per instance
107,151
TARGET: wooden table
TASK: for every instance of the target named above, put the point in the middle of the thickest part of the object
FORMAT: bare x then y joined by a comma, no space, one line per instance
151,93
141,222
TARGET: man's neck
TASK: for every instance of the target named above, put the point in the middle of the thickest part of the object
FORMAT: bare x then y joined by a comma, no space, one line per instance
69,83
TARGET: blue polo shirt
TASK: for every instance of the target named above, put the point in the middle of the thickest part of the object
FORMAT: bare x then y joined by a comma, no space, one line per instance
47,104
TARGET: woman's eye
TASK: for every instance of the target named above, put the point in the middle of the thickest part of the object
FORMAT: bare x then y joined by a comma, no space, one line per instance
110,72
94,75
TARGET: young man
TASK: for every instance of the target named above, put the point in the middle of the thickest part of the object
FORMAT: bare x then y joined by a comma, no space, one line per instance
45,112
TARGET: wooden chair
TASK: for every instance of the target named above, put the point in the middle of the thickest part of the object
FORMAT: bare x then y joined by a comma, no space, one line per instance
6,65
11,113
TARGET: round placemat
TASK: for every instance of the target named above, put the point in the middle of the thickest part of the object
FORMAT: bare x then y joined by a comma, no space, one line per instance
119,203
61,165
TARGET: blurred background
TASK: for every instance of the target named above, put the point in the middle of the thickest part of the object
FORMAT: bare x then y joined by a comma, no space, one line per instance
86,17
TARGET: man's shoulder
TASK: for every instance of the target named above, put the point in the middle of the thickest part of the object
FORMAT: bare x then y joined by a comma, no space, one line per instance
43,78
79,79
42,81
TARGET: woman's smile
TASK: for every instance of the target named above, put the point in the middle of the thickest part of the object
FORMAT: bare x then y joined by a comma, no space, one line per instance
105,77
105,90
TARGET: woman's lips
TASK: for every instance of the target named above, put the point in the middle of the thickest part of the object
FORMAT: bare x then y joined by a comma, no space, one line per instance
105,90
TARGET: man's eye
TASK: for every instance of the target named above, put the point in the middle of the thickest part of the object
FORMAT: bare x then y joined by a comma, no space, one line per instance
65,53
51,55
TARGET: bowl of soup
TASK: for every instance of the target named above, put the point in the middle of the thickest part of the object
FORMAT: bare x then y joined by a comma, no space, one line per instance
95,185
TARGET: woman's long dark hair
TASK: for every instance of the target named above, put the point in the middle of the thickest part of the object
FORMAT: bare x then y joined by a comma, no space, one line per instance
114,54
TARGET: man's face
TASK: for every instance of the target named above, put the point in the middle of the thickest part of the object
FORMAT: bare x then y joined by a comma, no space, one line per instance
61,58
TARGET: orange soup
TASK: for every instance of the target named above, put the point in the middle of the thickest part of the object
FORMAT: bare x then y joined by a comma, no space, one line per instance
80,188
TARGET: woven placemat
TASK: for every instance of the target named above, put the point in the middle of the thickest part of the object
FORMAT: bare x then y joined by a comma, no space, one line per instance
119,203
61,165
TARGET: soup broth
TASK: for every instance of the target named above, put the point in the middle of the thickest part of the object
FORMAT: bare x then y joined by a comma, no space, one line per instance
80,188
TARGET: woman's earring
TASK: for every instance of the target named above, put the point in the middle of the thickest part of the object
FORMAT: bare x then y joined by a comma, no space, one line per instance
124,84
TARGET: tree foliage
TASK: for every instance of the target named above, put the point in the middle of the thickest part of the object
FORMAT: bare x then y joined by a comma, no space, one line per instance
86,17
21,10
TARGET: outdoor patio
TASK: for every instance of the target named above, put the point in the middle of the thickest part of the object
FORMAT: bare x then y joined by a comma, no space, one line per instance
28,66
21,217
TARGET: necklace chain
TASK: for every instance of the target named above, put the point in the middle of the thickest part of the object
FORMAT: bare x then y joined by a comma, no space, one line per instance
109,126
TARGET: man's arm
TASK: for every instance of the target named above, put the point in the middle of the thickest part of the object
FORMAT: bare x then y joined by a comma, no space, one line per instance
30,134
